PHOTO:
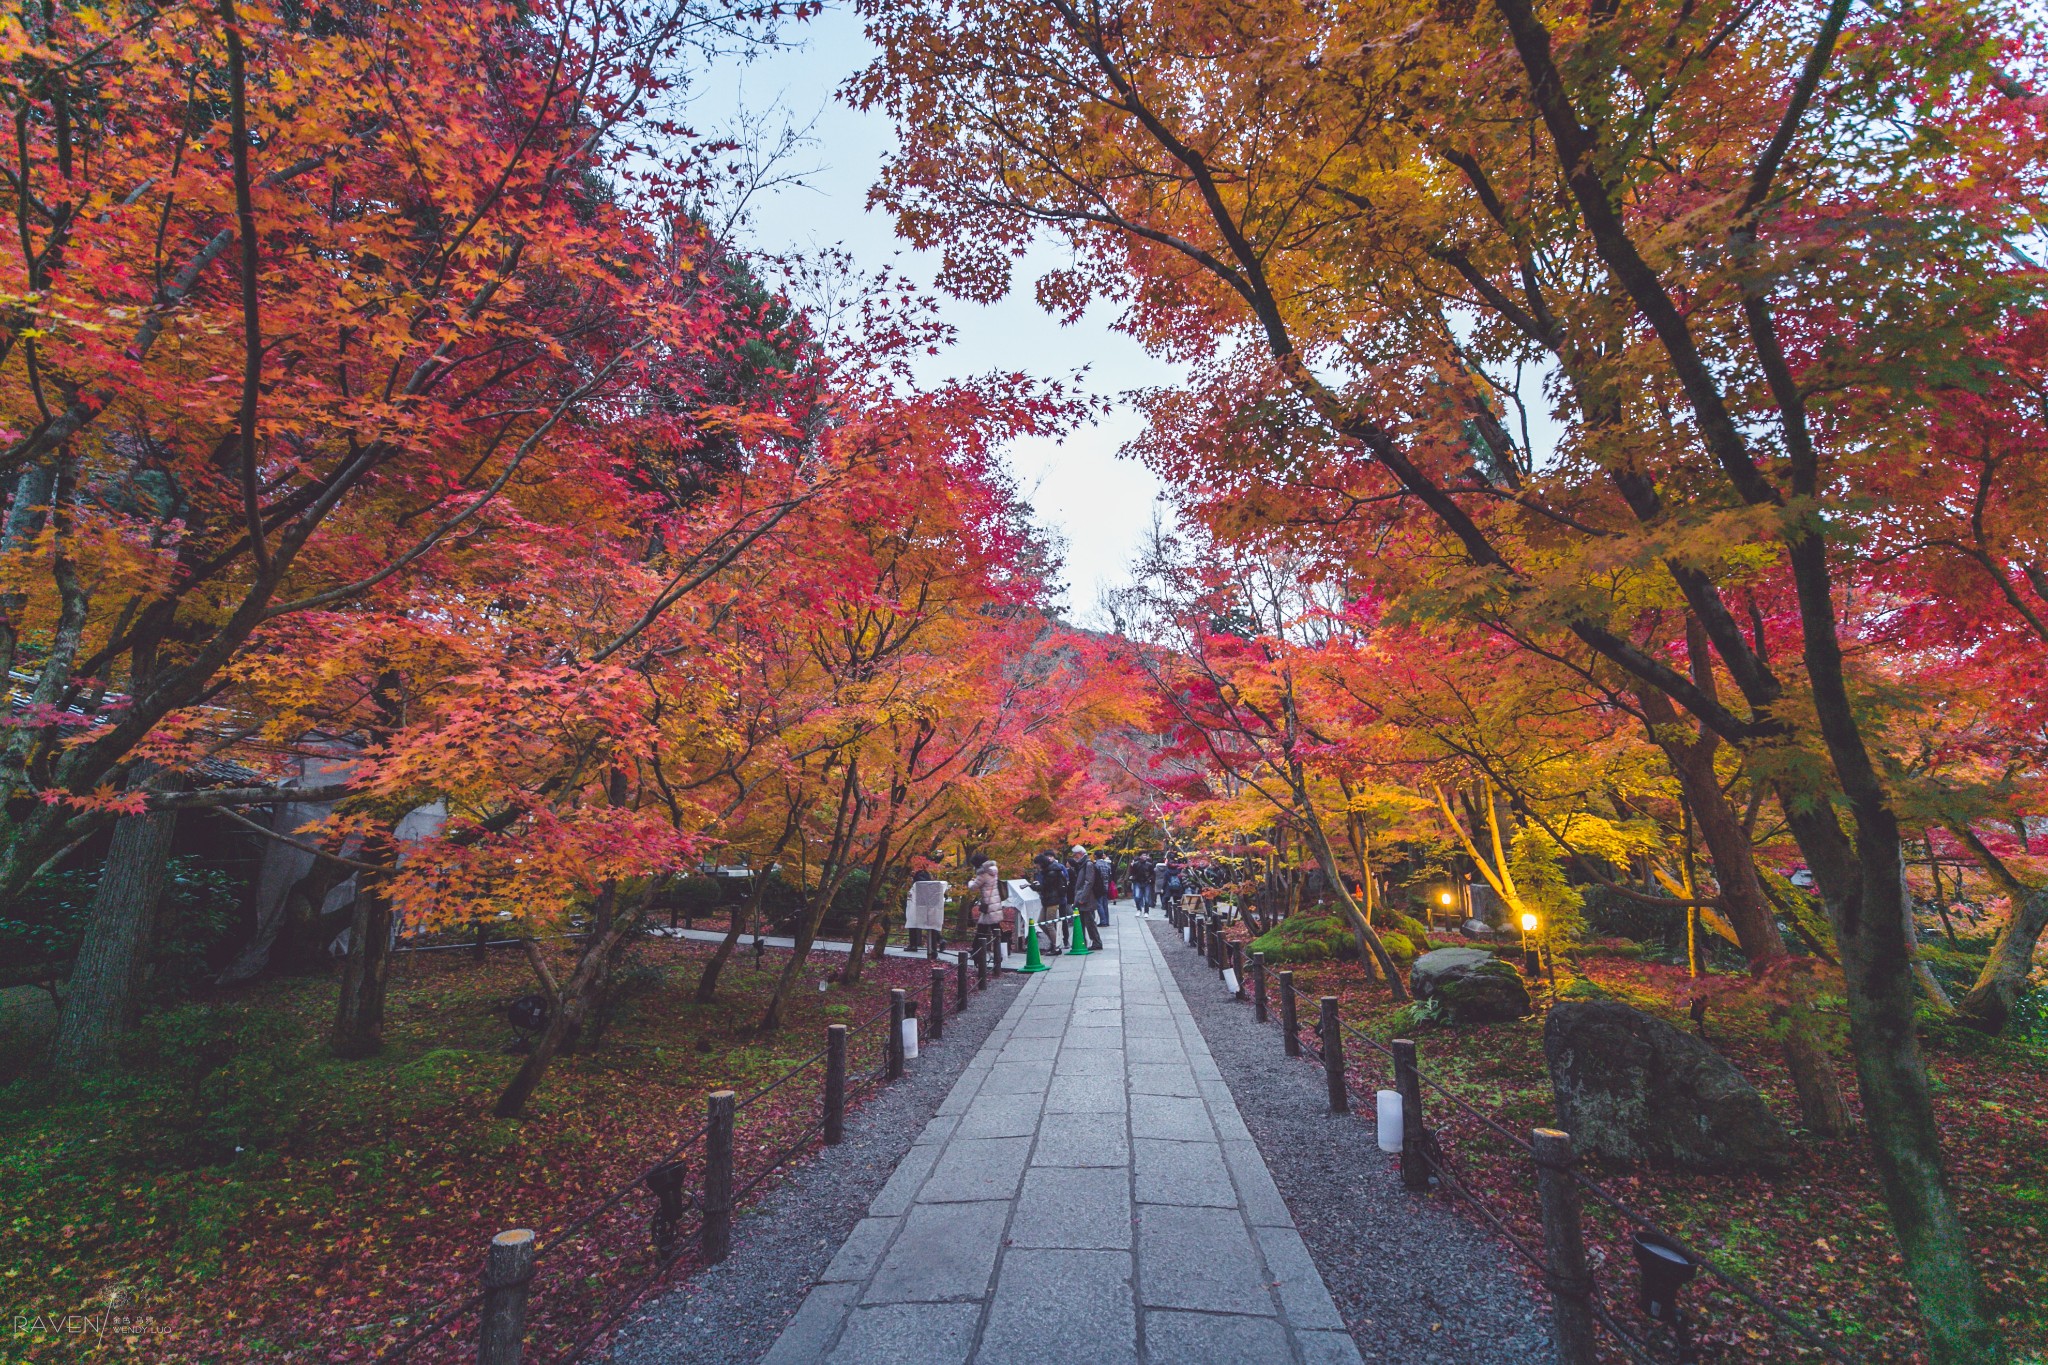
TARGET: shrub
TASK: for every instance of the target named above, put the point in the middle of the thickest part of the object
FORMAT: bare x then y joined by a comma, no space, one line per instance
1408,927
1307,938
697,895
1414,1017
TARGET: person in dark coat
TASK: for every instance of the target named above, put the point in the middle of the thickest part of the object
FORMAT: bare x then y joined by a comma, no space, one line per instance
1091,891
1055,889
1141,882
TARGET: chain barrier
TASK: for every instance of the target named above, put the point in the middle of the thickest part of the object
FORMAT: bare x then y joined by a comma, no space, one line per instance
1433,1157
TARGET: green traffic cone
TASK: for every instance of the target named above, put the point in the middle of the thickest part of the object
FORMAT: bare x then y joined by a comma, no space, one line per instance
1032,962
1079,941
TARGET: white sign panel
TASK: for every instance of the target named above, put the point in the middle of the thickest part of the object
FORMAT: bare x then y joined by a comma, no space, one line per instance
926,906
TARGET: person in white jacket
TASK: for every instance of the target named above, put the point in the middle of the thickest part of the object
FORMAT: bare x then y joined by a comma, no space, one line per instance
985,900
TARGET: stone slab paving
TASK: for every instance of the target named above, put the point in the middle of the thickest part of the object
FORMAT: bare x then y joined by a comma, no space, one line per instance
1087,1194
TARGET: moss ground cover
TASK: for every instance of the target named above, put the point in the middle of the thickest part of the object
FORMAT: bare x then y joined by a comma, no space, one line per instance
1816,1238
236,1194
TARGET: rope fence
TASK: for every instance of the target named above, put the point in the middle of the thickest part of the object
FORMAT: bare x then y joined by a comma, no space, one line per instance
694,1190
1562,1262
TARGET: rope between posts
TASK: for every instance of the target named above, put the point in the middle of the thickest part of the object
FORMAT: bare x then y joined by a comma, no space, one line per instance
1464,1191
782,1080
574,1351
1366,1038
617,1196
1739,1284
1637,1347
453,1308
803,1141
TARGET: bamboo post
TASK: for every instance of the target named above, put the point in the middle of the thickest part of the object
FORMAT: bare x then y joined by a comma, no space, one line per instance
938,1025
1333,1055
1408,1080
835,1084
508,1270
1564,1249
718,1177
1289,1036
1259,987
897,1002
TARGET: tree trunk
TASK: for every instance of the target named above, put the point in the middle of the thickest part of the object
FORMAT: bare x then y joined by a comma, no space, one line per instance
114,957
1822,1110
1988,1005
831,874
1864,885
585,987
359,1015
1370,949
743,915
856,954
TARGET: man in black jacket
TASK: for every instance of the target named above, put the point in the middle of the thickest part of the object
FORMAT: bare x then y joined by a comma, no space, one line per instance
1090,891
1056,891
1141,883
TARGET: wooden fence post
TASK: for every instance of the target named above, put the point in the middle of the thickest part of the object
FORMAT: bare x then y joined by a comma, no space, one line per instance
835,1084
718,1177
1564,1249
1259,987
1289,1037
1333,1055
938,1028
1237,965
895,1040
508,1270
1408,1080
960,981
981,957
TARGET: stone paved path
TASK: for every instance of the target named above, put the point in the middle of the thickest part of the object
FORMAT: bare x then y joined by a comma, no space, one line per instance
1086,1195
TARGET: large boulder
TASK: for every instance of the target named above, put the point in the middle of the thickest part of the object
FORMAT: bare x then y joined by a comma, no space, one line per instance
1471,985
1633,1088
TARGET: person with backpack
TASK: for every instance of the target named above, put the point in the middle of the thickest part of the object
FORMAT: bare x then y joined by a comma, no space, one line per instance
1105,888
1141,882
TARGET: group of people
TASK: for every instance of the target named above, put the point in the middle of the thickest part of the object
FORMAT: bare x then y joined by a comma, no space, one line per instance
1075,889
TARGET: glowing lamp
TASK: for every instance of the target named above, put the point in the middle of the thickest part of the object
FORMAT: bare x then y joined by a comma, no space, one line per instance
1528,923
1444,897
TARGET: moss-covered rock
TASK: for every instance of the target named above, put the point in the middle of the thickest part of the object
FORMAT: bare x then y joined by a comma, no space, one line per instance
1400,947
1306,938
1474,986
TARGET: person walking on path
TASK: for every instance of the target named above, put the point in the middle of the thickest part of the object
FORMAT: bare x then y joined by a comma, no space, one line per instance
1105,889
1141,882
1091,886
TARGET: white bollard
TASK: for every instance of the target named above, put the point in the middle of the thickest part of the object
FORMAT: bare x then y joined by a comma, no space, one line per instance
1390,1120
910,1040
1230,979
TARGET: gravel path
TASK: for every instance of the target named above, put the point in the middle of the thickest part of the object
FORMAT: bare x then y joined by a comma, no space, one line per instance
1416,1282
732,1313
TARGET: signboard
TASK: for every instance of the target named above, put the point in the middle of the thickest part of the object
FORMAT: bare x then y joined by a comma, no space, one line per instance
926,906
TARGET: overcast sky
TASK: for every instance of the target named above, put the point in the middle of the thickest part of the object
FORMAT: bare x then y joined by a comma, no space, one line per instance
1099,504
